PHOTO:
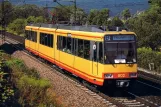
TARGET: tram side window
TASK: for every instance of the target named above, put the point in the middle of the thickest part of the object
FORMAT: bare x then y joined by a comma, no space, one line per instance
64,44
42,39
69,43
46,39
31,35
50,40
100,52
60,42
73,40
27,35
80,48
86,49
74,45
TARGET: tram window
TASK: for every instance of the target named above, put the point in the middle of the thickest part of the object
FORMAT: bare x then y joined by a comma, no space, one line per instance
73,45
35,36
86,49
46,39
80,48
31,35
51,40
100,53
76,47
64,46
61,42
95,53
58,42
27,35
42,39
69,43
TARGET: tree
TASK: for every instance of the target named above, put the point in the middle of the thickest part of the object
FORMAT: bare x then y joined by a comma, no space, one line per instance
92,16
153,2
126,14
67,14
147,27
24,11
116,22
97,17
81,16
18,26
31,19
39,19
8,8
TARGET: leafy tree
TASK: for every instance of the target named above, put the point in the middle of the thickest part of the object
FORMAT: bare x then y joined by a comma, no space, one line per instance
67,14
153,2
18,26
81,16
8,7
126,13
147,27
116,22
92,16
40,19
62,13
31,19
24,11
97,17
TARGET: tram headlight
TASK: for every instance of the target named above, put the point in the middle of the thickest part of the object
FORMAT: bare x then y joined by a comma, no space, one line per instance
133,74
108,75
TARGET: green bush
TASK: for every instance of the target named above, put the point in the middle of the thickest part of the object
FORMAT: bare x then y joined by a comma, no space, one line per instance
6,89
146,56
15,62
32,91
18,65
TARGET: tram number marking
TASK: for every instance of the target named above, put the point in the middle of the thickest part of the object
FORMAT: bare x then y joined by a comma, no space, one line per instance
121,75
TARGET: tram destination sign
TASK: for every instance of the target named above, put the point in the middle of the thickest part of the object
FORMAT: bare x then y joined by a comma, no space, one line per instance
119,37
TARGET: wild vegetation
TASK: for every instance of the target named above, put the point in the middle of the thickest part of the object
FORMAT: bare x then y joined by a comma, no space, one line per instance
147,56
21,86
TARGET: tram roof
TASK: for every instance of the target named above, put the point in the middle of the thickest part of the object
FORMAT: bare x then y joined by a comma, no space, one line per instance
89,28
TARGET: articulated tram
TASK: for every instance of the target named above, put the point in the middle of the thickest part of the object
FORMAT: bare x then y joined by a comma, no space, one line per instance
96,56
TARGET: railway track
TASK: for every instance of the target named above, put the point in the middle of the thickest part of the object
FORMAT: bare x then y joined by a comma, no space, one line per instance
130,100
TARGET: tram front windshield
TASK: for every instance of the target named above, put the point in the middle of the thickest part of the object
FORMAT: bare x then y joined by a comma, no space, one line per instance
120,52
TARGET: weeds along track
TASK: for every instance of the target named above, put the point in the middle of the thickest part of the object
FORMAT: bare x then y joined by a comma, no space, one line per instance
127,99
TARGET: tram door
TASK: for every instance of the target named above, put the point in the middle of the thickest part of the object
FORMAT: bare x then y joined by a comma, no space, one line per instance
94,57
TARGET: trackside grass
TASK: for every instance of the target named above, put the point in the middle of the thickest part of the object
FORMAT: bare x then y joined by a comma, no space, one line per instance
28,88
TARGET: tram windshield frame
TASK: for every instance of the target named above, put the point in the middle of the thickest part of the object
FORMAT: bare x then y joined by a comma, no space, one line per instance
120,49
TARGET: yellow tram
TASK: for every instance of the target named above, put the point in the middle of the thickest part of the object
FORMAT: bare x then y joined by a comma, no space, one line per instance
97,56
